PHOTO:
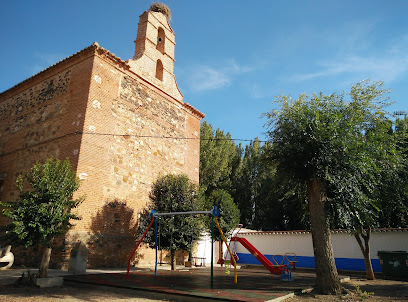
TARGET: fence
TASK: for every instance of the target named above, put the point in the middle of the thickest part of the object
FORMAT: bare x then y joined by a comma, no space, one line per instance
346,250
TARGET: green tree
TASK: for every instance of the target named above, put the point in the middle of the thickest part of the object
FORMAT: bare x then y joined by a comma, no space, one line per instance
246,183
389,197
174,193
217,153
266,202
394,192
333,146
43,209
281,205
229,214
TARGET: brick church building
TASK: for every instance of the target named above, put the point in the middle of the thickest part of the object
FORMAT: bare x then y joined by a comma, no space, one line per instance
120,123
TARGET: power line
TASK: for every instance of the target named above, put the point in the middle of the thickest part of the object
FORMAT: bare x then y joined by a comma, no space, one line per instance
39,143
172,137
129,135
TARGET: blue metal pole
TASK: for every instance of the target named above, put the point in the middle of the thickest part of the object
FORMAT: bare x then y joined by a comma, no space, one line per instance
212,251
155,241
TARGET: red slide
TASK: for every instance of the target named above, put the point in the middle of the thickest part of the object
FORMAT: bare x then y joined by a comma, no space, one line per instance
274,269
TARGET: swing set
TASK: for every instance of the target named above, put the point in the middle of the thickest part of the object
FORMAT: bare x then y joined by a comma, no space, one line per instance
160,235
215,212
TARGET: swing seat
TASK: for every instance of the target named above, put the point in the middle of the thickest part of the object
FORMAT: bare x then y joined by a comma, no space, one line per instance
198,261
222,261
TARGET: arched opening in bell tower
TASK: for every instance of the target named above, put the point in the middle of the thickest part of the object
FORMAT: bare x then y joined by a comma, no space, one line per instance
161,39
159,70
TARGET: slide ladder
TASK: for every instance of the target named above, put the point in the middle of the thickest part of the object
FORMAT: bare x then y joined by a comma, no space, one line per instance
274,269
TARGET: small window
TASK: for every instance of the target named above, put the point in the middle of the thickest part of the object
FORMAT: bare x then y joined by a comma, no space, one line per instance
159,70
161,39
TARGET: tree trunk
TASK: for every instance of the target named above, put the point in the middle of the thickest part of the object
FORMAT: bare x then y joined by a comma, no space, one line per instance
172,260
45,262
328,281
365,249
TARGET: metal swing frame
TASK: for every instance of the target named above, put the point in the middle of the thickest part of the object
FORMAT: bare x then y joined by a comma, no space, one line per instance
215,212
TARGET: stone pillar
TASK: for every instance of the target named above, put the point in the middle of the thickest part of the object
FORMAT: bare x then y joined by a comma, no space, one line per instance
78,259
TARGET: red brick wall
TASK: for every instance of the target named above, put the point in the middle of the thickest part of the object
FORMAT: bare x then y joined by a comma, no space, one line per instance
131,134
122,167
39,118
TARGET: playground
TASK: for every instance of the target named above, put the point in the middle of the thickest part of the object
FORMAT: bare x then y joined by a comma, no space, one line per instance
107,285
274,280
230,257
205,282
253,284
216,283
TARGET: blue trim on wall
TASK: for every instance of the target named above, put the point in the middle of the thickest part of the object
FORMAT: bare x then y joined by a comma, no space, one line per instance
349,264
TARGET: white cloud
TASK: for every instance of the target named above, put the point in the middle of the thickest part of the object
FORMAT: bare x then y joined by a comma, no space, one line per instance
208,78
386,65
386,69
204,77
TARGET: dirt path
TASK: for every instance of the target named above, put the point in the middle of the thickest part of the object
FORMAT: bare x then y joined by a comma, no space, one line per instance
360,290
363,290
73,294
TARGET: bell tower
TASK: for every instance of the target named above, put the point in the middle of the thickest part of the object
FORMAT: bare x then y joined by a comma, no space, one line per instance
154,50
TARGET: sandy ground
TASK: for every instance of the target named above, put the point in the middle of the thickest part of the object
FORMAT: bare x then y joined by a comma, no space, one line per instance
362,290
359,290
73,294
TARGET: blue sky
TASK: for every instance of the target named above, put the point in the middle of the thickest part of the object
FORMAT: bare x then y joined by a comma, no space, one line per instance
232,57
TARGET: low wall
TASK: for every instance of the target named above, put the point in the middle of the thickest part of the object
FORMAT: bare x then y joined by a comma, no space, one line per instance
346,250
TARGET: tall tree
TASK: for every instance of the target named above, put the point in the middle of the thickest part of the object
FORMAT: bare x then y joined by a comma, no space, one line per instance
246,183
266,202
394,186
332,146
174,193
280,204
389,197
43,209
217,151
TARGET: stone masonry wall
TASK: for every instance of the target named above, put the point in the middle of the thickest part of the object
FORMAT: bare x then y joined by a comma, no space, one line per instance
132,134
39,119
28,119
120,133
